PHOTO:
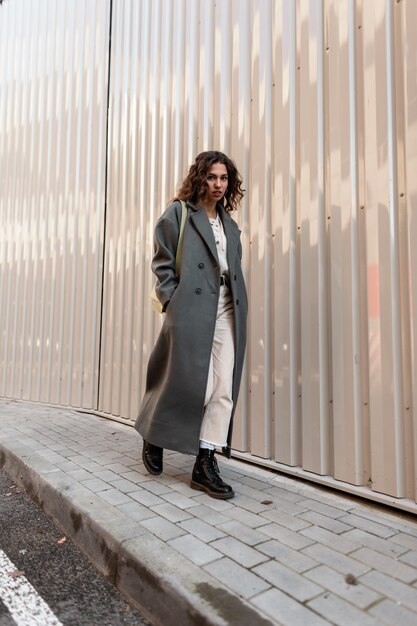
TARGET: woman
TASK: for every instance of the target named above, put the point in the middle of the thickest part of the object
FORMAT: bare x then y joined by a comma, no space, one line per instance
195,368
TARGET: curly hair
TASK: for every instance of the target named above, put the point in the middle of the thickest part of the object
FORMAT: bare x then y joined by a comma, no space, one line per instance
194,185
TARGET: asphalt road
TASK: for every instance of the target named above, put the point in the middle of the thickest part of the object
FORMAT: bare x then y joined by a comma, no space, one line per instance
68,590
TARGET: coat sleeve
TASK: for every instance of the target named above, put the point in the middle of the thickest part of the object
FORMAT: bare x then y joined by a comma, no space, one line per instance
163,262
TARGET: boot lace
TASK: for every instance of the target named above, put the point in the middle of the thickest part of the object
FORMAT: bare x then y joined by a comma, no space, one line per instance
216,467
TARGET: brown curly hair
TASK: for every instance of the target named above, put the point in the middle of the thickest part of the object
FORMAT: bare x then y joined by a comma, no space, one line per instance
194,185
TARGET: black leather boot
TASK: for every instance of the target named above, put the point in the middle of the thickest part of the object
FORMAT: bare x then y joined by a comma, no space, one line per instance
152,458
206,476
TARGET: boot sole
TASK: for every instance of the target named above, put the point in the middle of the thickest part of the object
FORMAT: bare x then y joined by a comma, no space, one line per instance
212,494
152,471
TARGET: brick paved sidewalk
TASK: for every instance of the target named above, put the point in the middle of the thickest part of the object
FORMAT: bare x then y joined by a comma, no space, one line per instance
281,552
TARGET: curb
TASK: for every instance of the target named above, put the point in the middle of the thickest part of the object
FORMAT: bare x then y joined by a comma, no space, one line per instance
168,588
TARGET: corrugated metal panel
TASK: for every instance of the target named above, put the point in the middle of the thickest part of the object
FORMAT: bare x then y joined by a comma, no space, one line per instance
53,75
316,102
313,100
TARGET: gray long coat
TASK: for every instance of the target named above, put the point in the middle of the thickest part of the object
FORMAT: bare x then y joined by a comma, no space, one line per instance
172,408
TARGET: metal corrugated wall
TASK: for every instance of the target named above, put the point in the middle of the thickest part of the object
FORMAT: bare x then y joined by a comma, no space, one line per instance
53,102
316,102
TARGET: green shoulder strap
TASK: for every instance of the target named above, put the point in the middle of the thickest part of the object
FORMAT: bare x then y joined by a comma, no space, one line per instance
180,238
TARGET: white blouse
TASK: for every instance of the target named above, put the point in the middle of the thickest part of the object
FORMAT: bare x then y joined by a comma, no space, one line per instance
221,243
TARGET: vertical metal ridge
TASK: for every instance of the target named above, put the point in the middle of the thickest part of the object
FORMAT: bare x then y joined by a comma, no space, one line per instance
294,329
354,191
394,255
323,321
266,93
105,211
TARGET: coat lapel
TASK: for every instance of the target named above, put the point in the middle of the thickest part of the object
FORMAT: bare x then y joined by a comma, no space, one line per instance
232,235
199,218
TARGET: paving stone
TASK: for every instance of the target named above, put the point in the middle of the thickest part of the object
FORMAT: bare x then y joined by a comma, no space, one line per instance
385,546
209,516
284,494
95,453
212,503
384,564
146,498
195,550
181,501
334,499
292,558
52,457
66,465
162,528
288,581
285,535
335,526
243,489
60,448
406,540
288,521
96,485
155,487
201,529
239,552
242,532
89,466
79,475
368,526
106,475
249,504
397,521
324,509
394,589
136,468
171,512
109,455
113,496
237,578
134,477
286,506
338,542
178,485
125,460
124,485
168,481
334,581
339,612
389,612
171,470
254,482
136,511
253,520
118,468
336,560
410,558
98,452
277,604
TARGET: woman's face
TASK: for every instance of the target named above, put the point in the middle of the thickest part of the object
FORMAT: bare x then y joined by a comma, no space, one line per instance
216,183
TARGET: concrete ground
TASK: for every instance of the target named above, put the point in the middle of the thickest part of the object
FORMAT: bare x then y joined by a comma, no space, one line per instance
281,552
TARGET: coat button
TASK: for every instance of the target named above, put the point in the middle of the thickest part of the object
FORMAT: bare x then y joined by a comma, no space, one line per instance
234,276
237,302
198,291
201,265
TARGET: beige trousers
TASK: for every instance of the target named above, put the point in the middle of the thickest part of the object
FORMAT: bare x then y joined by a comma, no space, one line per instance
218,402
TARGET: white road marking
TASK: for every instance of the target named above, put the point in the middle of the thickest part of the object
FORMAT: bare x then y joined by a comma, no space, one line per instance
26,606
